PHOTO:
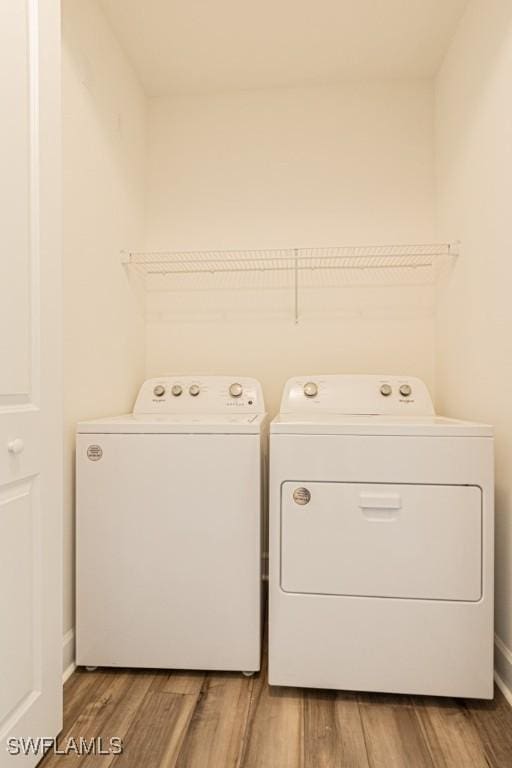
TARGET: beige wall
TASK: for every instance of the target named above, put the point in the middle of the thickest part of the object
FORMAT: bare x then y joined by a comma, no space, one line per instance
284,168
474,329
104,174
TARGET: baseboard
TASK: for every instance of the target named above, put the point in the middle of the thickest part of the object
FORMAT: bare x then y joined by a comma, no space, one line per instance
68,672
503,668
68,654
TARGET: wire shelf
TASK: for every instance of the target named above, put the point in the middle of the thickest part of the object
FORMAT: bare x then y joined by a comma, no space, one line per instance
345,257
297,268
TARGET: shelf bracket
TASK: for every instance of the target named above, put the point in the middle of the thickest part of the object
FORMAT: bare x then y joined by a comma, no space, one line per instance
455,248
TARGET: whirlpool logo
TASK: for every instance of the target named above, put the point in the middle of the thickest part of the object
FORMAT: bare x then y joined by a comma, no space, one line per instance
94,452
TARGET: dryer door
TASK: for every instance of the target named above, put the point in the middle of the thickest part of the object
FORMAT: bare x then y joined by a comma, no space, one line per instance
400,541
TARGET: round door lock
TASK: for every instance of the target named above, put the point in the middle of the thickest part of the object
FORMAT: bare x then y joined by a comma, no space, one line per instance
301,496
310,389
194,390
386,390
405,390
177,389
159,390
236,390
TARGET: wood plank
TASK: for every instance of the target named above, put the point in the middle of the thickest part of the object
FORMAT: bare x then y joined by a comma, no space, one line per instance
161,677
215,736
333,731
82,719
79,689
154,740
275,727
108,713
393,734
450,733
118,720
184,683
493,721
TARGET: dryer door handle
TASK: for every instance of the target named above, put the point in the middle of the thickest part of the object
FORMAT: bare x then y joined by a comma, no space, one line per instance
380,501
380,507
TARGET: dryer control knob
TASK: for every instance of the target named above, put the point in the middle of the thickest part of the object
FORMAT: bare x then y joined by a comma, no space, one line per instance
194,390
159,390
405,390
386,390
236,390
310,389
177,389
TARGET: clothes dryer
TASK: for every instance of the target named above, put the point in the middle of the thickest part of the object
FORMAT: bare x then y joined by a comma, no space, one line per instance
381,541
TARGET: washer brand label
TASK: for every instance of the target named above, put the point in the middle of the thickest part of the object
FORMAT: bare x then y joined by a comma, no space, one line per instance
94,452
301,496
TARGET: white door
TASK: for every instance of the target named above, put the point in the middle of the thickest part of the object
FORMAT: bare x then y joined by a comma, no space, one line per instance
30,375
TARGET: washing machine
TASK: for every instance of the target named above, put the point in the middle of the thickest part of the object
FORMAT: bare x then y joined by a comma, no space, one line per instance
168,528
381,541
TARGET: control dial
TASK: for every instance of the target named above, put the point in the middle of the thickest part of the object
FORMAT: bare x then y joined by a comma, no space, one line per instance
236,390
386,390
194,390
405,390
310,389
159,390
177,389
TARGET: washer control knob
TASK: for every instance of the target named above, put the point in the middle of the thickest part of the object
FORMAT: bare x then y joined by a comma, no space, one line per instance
236,390
159,390
405,390
386,390
177,389
194,390
310,389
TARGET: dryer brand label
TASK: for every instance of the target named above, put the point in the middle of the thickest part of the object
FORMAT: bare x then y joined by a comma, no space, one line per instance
301,496
94,452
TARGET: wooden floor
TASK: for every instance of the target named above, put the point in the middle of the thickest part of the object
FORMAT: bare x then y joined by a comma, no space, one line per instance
225,720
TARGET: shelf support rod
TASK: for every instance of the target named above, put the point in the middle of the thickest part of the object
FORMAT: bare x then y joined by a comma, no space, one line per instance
296,286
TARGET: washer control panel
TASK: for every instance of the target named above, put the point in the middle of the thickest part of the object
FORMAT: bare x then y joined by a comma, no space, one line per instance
200,394
357,395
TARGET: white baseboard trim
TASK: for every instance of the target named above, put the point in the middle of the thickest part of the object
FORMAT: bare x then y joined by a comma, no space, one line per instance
503,668
68,672
68,654
503,688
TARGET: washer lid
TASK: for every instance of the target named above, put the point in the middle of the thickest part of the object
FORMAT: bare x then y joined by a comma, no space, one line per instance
184,423
340,424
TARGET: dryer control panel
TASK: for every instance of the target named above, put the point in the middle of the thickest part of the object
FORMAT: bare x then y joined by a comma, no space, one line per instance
357,395
200,394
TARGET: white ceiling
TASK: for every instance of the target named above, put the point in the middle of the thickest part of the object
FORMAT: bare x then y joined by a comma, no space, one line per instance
181,46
